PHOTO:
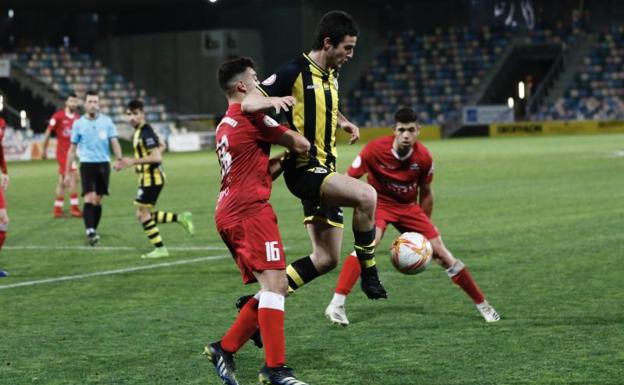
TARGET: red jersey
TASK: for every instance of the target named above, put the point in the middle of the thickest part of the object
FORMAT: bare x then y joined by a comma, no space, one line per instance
61,124
395,179
3,166
243,146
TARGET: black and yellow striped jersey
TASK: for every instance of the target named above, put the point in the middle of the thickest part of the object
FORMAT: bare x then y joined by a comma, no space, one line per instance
143,141
315,115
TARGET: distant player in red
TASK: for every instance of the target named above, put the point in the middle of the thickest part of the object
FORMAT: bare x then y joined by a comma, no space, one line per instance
4,184
61,124
248,226
401,170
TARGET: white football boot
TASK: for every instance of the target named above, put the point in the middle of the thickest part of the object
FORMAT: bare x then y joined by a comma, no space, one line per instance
488,312
337,314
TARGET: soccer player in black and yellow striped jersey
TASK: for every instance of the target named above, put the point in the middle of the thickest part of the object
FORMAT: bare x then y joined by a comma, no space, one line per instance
312,81
147,162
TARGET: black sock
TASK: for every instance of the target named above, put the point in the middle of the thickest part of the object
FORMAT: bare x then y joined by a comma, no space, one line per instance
97,214
300,272
87,216
365,247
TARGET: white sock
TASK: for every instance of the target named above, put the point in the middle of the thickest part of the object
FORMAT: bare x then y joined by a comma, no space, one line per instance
339,299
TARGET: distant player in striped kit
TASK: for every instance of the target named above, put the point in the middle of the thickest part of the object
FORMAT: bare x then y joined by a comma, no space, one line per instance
248,226
61,125
4,184
147,162
401,170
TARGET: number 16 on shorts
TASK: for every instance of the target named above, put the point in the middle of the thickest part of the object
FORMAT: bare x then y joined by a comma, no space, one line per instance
272,251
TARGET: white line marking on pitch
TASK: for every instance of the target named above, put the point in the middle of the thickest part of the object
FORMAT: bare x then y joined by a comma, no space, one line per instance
108,248
112,272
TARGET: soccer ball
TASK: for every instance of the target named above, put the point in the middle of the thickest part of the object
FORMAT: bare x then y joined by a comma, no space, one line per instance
411,253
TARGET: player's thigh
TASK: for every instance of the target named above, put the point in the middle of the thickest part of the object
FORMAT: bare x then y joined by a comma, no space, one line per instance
4,216
102,178
256,244
326,242
87,178
412,218
342,190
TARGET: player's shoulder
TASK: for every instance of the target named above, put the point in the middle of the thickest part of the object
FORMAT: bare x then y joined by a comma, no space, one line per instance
285,72
381,143
421,150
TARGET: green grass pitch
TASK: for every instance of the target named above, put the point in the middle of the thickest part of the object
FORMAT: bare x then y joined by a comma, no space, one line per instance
539,221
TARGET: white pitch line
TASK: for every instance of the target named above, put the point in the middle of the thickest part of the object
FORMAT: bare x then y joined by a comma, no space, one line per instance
111,272
108,248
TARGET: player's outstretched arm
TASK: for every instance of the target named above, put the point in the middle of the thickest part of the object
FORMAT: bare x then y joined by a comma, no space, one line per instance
294,142
256,102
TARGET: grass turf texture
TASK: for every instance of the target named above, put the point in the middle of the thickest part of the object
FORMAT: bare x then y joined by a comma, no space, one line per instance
538,221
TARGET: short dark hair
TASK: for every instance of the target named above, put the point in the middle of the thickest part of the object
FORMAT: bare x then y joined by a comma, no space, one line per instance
405,115
335,25
135,104
92,93
72,95
229,69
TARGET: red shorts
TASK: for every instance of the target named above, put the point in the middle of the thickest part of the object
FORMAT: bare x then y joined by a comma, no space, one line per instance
2,200
255,243
61,159
405,217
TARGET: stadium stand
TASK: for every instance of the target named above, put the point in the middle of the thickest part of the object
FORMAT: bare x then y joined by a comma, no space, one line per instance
66,70
597,92
434,73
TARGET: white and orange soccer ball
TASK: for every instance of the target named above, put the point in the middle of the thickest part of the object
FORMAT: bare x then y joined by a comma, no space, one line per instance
411,253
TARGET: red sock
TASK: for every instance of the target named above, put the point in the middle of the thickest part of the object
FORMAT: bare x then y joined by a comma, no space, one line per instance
243,328
2,238
466,282
271,319
349,274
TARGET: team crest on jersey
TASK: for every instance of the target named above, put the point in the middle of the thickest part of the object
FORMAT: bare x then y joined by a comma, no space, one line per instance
270,80
414,167
318,170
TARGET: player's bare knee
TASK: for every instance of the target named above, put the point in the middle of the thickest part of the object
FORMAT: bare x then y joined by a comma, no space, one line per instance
4,218
325,263
367,199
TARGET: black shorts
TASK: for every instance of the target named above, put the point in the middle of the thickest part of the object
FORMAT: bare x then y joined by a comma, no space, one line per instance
147,196
306,184
94,177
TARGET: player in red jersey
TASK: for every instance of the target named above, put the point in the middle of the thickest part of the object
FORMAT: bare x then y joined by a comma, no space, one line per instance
248,226
61,124
401,170
4,184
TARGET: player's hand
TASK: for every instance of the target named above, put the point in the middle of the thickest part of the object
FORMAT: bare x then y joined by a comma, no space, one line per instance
44,155
4,183
67,179
351,129
282,103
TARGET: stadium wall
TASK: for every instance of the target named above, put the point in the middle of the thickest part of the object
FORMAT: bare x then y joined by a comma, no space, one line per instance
428,132
555,128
